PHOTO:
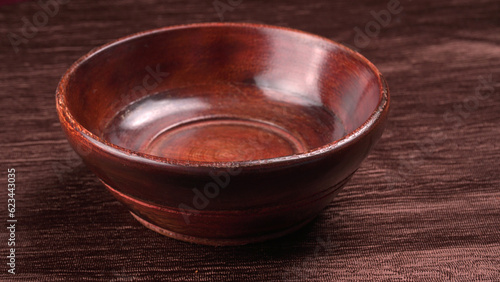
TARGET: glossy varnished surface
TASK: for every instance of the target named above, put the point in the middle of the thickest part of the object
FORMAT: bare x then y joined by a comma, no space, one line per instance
268,122
223,122
311,88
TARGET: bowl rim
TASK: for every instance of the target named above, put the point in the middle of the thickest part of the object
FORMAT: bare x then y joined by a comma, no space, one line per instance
380,110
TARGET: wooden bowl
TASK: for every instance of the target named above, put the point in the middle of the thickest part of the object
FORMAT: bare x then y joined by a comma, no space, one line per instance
223,134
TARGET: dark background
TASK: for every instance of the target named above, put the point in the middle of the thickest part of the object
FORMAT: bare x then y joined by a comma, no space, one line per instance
425,205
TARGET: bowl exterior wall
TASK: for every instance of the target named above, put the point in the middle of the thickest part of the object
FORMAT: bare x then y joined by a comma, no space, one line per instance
224,205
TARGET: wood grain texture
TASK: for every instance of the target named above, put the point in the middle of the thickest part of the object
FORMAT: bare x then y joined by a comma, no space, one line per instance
248,133
424,206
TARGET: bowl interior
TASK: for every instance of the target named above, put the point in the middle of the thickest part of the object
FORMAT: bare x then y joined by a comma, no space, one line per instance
222,93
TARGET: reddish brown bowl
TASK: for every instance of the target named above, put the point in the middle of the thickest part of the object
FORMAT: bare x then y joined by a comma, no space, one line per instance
223,134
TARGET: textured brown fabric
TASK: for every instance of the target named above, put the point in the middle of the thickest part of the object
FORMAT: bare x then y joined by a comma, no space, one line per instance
425,205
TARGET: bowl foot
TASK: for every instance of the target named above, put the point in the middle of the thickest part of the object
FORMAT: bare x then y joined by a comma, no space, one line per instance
220,241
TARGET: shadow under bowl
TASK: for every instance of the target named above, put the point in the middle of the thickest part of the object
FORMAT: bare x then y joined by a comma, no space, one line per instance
223,133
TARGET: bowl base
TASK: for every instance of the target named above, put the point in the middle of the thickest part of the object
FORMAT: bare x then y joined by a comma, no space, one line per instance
225,140
219,241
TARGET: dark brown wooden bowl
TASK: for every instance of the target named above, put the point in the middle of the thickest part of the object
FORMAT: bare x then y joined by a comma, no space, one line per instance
223,134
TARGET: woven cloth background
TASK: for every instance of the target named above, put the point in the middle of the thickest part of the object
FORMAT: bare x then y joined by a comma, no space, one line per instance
425,205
